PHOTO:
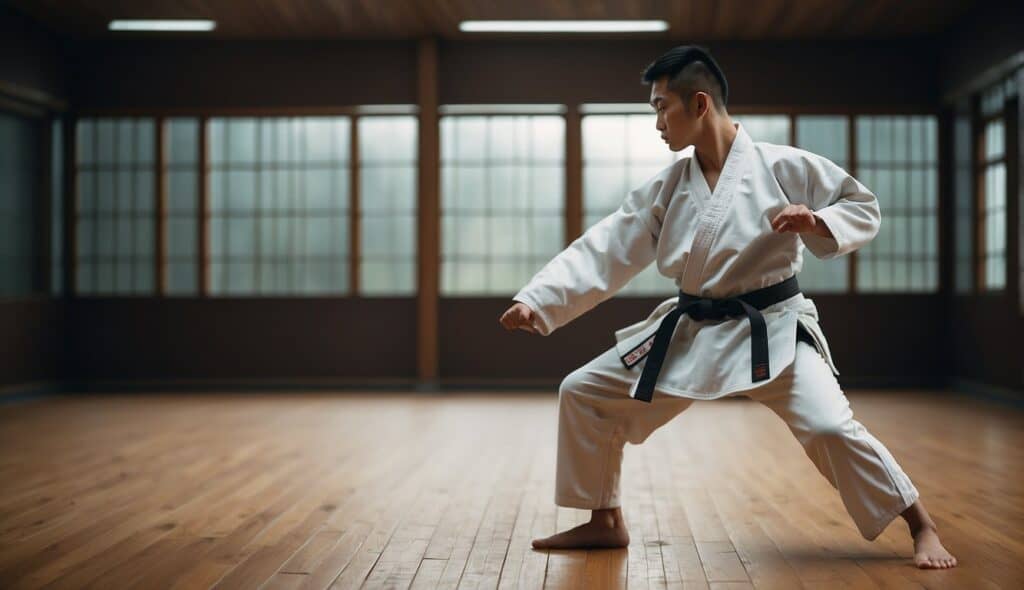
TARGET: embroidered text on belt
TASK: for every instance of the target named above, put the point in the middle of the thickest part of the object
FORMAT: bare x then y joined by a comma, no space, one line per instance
700,308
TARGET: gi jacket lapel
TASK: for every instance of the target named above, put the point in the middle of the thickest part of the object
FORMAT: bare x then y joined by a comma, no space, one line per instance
716,204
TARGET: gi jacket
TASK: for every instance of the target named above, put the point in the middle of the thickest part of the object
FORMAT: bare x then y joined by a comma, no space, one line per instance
711,244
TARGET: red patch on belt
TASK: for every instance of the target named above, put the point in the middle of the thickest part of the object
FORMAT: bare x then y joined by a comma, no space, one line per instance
634,356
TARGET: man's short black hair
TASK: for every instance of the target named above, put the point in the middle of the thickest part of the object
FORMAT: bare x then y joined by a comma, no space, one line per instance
690,68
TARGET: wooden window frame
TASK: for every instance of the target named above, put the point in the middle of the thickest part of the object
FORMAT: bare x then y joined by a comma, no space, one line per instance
203,167
979,168
573,205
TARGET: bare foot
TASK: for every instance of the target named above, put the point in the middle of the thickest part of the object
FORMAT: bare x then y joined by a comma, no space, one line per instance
603,531
929,552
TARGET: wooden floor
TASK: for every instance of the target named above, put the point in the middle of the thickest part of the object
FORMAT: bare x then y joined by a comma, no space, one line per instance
401,490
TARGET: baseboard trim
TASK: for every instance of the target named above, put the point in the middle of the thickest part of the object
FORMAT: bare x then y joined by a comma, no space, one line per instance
41,389
996,393
30,390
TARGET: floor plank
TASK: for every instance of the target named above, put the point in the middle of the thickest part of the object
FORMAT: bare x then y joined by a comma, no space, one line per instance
400,490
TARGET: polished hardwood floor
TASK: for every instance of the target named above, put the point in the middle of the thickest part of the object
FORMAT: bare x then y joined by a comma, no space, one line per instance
398,490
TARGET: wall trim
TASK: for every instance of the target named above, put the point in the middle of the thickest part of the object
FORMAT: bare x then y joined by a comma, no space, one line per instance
32,97
283,385
986,78
996,393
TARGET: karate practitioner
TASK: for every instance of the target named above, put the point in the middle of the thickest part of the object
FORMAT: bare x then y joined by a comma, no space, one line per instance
727,223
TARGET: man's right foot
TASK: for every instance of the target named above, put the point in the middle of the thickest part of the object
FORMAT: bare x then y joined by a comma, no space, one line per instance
592,535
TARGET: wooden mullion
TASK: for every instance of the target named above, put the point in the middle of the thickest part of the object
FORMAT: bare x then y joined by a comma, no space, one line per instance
354,209
1017,194
851,146
260,210
96,207
70,213
44,216
204,208
1012,155
573,174
116,208
429,214
978,175
160,250
946,203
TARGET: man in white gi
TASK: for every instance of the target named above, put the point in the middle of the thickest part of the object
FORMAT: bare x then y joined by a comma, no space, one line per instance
728,224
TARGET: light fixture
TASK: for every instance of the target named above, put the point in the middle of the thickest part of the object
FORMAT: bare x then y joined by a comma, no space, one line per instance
562,26
162,25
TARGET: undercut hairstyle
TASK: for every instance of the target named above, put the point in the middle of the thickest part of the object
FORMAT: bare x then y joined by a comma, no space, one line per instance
690,68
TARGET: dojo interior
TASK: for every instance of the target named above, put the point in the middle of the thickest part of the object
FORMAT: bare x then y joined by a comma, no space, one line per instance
250,282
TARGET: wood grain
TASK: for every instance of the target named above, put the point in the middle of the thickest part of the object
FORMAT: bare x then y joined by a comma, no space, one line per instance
400,490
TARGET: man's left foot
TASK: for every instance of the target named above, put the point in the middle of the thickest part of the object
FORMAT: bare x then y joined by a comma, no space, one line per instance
929,552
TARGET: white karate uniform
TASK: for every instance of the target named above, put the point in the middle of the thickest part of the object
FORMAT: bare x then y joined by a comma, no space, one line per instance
715,244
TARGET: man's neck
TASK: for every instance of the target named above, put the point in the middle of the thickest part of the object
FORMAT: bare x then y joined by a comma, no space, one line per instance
714,149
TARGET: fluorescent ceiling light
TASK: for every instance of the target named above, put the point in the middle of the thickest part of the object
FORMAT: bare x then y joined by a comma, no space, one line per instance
162,25
562,26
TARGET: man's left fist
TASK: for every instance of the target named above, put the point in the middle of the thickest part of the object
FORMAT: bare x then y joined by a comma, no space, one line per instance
800,219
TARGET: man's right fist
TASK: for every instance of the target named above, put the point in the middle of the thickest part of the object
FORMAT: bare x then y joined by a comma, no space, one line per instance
519,316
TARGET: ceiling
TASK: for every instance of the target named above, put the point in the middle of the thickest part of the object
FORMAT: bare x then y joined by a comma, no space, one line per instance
694,20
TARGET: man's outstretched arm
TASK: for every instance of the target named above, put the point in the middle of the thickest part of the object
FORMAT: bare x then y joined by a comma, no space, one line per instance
594,266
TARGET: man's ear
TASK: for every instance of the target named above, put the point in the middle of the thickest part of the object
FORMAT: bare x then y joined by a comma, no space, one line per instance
703,98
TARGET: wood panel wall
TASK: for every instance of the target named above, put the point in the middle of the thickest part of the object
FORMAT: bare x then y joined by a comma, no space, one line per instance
33,79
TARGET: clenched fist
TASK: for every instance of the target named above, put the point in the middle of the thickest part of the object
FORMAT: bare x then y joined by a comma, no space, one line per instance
519,316
800,219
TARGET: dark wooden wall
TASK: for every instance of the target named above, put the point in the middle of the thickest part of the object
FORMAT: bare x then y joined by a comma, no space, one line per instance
227,339
876,339
31,329
282,74
32,341
988,34
242,74
772,74
30,56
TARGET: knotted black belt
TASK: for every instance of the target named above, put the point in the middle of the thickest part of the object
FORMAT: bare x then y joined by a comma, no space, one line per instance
700,308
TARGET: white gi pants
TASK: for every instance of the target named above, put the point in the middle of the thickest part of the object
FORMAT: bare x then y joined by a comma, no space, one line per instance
596,417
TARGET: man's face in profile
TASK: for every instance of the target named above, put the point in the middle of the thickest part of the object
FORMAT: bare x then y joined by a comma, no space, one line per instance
676,125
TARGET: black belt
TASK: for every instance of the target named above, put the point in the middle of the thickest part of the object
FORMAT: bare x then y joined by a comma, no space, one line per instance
700,308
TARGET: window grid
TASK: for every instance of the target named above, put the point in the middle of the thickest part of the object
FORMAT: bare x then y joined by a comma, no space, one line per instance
479,245
992,189
829,136
181,216
387,205
116,244
125,271
612,166
259,245
991,185
21,143
903,257
770,128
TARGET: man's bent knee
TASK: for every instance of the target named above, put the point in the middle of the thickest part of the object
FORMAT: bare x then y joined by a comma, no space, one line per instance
568,385
572,383
824,431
